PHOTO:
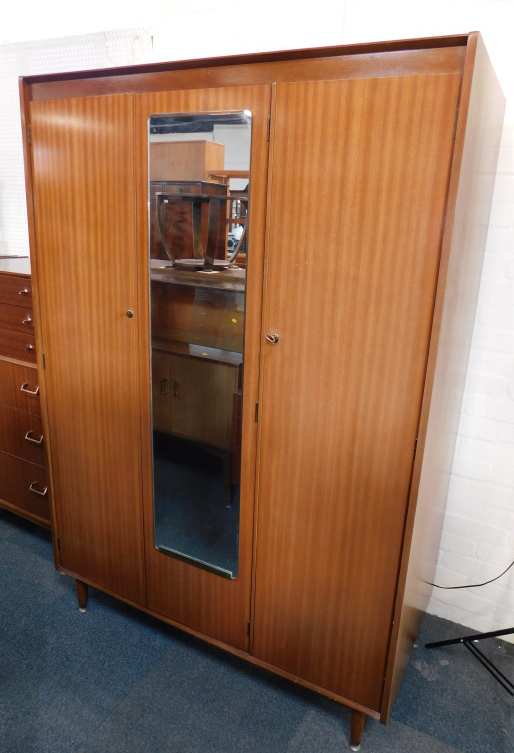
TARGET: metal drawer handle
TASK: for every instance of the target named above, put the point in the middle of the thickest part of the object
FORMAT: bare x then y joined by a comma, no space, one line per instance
29,347
30,438
272,338
33,488
27,320
24,387
23,292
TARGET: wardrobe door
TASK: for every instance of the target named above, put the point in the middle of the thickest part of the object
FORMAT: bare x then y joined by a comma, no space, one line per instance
86,266
199,521
358,189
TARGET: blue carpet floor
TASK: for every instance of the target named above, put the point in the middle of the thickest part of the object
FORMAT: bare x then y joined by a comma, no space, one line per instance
112,680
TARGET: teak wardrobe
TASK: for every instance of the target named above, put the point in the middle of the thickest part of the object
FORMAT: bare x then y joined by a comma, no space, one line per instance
372,169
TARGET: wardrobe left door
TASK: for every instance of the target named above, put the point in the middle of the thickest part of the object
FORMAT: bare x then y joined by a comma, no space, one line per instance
83,187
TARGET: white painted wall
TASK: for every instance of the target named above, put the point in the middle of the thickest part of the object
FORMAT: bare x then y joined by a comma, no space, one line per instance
478,535
103,49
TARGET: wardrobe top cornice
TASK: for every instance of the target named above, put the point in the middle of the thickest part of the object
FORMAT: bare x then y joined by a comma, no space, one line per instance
114,77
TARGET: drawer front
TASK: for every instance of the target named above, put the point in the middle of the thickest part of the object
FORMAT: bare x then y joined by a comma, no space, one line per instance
16,345
16,290
21,434
24,486
19,387
16,318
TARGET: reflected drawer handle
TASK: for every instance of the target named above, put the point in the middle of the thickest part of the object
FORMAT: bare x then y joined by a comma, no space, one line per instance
33,488
29,348
176,388
32,439
27,321
164,382
23,292
24,387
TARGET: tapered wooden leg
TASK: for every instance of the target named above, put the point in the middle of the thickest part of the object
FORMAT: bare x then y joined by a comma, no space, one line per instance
82,590
358,722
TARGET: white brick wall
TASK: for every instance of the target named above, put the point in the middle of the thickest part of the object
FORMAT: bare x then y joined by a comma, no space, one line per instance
478,536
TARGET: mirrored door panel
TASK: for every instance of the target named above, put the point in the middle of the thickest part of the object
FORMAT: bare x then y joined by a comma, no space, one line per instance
201,227
198,198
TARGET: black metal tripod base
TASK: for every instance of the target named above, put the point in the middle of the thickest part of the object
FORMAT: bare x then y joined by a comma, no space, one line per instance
469,641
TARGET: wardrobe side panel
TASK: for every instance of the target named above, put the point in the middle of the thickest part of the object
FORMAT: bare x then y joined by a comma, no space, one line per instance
471,190
358,190
83,184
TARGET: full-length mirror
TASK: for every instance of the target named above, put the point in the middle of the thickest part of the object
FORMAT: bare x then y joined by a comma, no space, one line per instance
199,173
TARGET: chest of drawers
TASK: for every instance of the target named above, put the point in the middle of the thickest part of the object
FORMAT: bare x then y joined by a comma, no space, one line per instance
23,474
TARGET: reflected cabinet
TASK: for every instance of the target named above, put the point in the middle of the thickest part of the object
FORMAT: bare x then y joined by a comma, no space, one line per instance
255,281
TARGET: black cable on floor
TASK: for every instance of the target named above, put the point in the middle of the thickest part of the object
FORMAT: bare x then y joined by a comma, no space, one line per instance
473,585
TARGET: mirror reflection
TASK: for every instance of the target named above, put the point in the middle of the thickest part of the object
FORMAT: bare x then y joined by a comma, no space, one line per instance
199,171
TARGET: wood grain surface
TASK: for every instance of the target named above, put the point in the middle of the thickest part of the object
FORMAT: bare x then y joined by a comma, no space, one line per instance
202,401
185,160
359,177
17,318
15,289
354,61
162,390
477,144
13,376
358,191
184,593
21,347
16,477
86,270
193,397
14,426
